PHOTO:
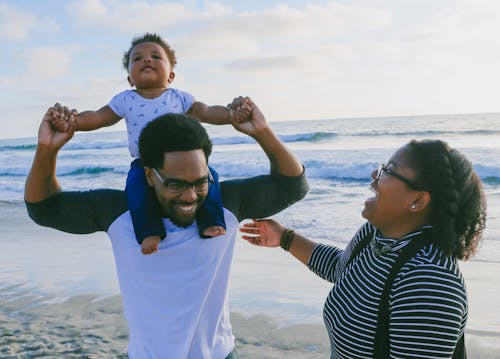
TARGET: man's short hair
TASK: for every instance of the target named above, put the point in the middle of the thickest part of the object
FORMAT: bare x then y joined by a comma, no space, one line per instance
170,133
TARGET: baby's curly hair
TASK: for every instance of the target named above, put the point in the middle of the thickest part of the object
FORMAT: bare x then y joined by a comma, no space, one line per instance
150,37
458,204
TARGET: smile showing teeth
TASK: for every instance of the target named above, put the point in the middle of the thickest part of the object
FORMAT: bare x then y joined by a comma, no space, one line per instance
187,208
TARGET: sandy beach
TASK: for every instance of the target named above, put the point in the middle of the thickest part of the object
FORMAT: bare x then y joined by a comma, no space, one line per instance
272,316
84,327
87,326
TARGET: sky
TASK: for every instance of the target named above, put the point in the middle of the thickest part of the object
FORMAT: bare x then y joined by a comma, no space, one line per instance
298,60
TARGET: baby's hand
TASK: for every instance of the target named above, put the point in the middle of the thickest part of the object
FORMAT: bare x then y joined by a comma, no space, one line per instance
60,117
243,113
150,244
240,110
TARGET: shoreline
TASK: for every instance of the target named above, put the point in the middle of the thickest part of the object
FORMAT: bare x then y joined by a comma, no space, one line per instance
59,298
92,327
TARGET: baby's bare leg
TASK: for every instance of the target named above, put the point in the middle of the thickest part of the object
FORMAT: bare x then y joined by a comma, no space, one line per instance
214,231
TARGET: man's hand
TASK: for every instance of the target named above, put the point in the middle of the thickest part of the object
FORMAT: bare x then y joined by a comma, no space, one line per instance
60,117
255,124
48,135
42,182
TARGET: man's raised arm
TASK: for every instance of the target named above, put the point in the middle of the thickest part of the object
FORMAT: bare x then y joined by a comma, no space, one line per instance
283,161
263,196
42,181
73,212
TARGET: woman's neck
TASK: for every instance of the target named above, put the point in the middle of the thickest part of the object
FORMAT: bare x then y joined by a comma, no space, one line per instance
405,225
401,231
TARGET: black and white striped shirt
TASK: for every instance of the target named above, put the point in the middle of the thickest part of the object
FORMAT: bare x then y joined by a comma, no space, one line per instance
427,301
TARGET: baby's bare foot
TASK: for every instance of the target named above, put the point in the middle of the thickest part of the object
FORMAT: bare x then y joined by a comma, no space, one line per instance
150,244
214,231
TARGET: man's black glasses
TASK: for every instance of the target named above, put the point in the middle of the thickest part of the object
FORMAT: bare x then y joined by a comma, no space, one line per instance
179,186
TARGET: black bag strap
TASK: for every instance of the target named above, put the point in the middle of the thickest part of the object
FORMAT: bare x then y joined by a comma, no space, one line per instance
382,331
460,352
359,246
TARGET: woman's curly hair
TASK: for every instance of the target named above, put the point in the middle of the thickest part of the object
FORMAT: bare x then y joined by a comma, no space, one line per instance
458,204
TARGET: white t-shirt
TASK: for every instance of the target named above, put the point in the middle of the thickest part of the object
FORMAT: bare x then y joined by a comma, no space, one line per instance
175,301
139,111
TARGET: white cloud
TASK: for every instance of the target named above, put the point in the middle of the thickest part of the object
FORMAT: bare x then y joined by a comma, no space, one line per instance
351,51
335,59
129,17
45,65
228,31
48,62
462,43
15,24
281,29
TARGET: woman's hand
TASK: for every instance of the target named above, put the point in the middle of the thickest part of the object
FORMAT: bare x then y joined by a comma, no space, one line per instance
262,232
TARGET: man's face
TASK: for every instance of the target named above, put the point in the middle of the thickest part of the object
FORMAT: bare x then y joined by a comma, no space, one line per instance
179,168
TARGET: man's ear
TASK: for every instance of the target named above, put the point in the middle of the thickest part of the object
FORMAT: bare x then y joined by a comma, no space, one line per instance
149,176
171,77
422,202
130,81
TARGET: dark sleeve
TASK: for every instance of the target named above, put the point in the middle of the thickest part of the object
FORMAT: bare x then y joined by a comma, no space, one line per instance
262,196
79,212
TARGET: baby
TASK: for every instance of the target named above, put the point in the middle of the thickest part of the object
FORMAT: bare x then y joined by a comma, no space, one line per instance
149,62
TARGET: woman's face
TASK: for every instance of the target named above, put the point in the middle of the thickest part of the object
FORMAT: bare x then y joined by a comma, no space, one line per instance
389,209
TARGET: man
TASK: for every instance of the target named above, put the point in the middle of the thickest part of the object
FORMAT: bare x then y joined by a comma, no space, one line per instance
175,301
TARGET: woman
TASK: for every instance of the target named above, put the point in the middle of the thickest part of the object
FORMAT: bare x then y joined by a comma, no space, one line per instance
428,211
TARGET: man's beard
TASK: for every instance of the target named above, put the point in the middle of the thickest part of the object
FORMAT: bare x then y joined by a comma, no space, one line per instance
180,222
178,219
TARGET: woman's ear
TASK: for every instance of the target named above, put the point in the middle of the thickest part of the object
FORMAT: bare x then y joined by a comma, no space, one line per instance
421,202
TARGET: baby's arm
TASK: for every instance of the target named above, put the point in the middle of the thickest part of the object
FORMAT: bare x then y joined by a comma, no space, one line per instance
219,115
92,120
85,121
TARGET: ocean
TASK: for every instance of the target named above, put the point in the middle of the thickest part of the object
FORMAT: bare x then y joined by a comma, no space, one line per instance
338,155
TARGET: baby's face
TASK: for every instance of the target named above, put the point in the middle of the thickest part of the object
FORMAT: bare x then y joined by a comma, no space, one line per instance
149,66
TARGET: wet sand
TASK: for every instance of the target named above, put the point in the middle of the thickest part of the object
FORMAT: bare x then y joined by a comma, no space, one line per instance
83,327
89,327
42,261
